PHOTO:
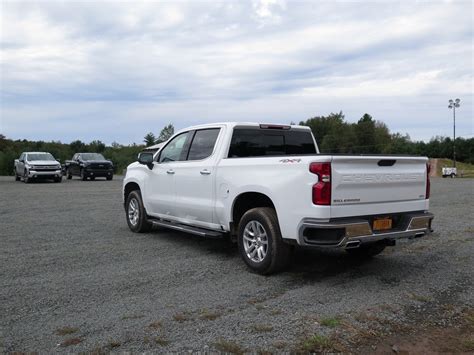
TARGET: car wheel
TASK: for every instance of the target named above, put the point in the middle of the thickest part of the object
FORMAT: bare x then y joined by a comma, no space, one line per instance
17,178
367,251
453,175
26,179
136,214
110,177
68,174
92,177
59,179
260,243
83,175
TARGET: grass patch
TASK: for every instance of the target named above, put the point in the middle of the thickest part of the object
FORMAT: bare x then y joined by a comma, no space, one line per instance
132,316
262,328
181,317
317,343
71,341
161,341
155,325
420,298
66,330
468,345
113,344
227,346
330,322
208,315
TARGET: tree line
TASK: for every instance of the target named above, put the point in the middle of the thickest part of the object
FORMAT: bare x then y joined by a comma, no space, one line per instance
332,132
368,136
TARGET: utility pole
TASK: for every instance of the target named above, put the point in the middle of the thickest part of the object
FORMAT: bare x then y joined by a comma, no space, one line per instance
454,104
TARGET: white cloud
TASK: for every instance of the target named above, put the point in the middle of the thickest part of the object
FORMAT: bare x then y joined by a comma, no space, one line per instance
189,62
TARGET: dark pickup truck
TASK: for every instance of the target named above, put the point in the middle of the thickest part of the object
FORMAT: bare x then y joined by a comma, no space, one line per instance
89,165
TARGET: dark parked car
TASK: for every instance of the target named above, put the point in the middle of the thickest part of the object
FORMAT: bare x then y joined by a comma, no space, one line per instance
89,165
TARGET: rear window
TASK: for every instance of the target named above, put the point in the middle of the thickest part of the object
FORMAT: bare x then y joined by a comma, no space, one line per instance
257,142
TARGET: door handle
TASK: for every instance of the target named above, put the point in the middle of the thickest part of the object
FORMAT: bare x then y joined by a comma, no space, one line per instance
170,171
205,172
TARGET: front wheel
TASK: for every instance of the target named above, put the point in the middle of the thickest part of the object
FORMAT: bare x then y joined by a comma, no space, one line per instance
17,178
260,243
58,179
453,175
110,177
26,179
136,215
83,175
68,174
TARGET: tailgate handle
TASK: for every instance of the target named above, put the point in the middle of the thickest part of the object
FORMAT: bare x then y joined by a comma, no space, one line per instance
386,162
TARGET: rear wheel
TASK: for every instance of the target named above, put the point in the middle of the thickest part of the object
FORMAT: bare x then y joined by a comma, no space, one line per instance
260,242
68,174
453,175
83,175
92,177
58,179
367,251
110,177
136,215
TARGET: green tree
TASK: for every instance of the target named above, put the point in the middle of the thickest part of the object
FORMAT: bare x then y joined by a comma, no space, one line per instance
149,139
365,135
166,133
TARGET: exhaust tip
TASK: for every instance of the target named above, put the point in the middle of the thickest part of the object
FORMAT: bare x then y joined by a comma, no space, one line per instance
353,244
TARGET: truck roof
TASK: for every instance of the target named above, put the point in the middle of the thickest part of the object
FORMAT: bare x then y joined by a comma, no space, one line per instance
237,124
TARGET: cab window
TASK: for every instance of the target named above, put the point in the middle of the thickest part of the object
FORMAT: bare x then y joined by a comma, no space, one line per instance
174,149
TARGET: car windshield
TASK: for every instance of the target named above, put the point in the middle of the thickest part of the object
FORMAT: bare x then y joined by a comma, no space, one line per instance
40,156
92,156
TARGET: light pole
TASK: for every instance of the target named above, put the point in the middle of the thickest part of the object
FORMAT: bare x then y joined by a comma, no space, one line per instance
453,105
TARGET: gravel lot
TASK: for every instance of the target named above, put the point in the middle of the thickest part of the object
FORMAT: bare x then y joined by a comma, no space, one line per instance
74,278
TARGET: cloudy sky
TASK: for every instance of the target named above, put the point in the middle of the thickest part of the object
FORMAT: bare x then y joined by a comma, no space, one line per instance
114,71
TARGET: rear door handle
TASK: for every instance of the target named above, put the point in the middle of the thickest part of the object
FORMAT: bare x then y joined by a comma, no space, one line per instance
205,172
170,171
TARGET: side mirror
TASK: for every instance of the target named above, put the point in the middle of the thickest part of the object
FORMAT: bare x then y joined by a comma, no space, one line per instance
146,158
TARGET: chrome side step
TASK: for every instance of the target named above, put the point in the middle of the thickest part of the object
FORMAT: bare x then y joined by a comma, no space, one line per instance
188,229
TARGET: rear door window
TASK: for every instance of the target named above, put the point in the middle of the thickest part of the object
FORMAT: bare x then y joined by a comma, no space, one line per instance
203,143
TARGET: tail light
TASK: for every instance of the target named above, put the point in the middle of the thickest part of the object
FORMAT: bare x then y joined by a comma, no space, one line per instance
428,184
322,189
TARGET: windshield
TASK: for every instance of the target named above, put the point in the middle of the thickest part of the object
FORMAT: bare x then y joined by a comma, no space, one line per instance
40,156
92,156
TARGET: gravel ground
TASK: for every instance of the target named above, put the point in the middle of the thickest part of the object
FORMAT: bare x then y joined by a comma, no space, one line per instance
74,278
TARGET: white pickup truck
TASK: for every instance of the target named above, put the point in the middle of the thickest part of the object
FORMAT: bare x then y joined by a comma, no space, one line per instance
268,187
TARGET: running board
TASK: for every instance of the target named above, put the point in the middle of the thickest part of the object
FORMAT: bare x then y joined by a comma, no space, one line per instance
188,229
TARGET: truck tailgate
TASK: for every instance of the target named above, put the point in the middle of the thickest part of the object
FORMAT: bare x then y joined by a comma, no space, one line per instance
358,180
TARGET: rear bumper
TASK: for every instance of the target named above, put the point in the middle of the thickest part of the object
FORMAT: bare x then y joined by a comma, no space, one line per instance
350,233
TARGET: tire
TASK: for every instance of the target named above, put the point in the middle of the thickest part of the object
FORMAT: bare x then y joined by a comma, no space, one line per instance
26,179
265,252
83,176
110,177
92,178
453,175
136,214
366,251
68,174
59,179
17,178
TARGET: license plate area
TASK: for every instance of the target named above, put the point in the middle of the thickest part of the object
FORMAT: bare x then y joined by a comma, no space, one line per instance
381,224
